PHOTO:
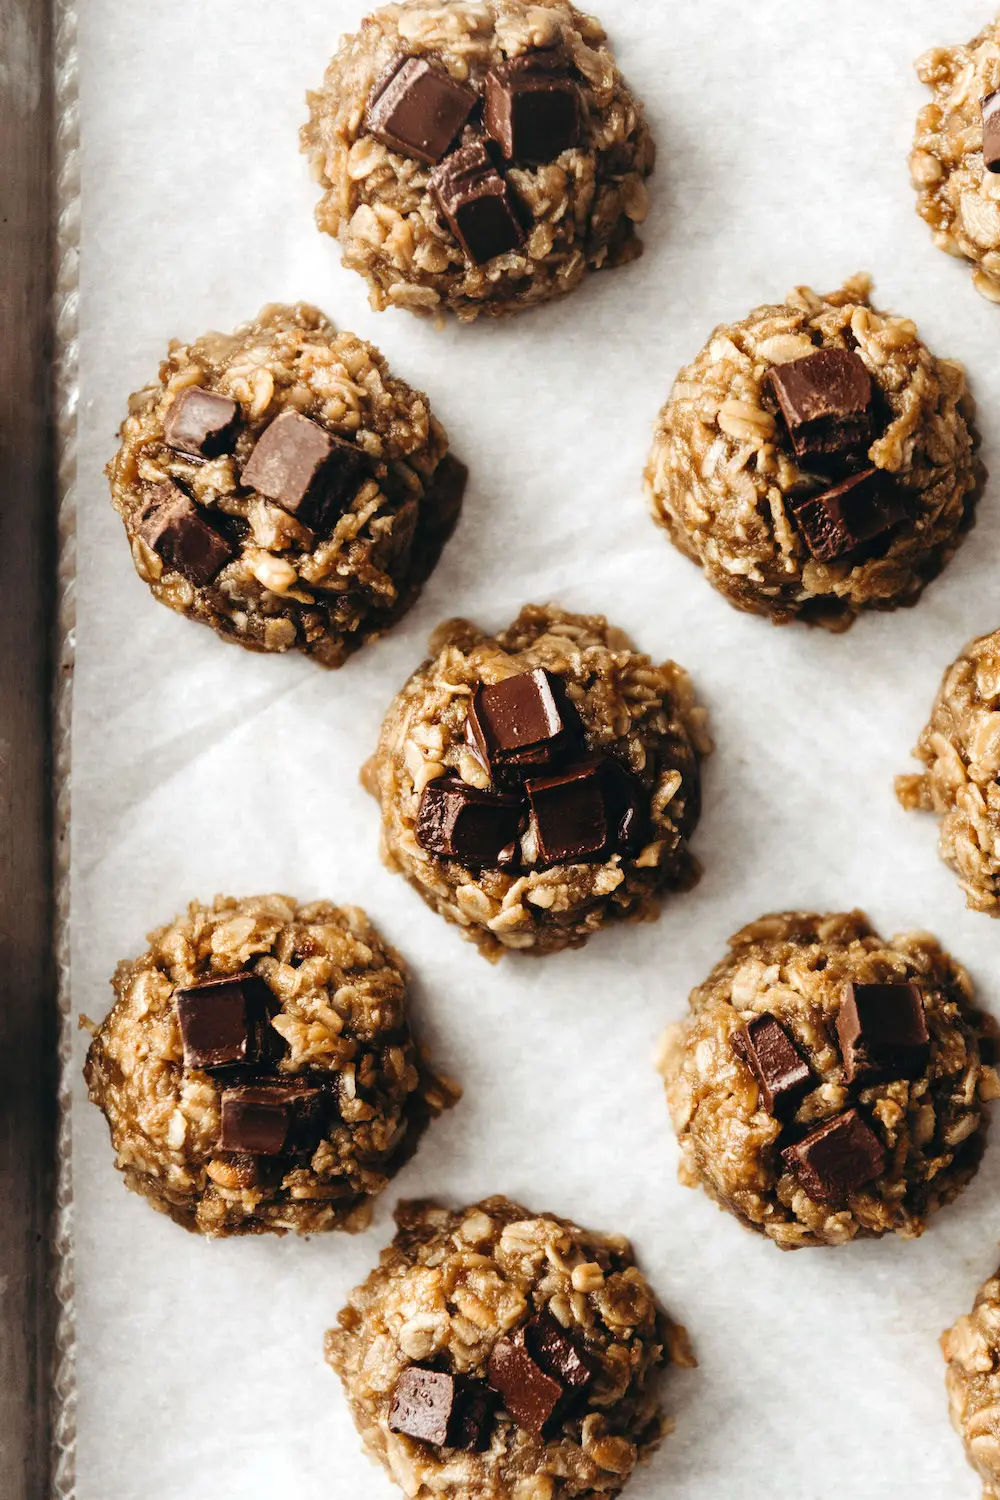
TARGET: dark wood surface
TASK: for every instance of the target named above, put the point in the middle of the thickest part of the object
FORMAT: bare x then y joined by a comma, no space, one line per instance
27,1003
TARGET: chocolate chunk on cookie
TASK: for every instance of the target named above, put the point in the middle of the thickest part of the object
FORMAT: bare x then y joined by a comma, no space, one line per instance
475,202
418,109
177,531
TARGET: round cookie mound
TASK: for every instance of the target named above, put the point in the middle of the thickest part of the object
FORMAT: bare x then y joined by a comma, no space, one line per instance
816,460
960,748
282,486
972,1351
827,1084
257,1070
499,1353
478,157
542,783
957,194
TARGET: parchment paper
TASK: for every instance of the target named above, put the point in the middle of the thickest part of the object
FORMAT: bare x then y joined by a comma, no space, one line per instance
783,131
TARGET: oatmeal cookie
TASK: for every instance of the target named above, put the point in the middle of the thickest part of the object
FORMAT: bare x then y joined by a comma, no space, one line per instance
816,460
505,1355
258,1072
972,1352
282,486
827,1084
541,783
478,156
955,160
960,748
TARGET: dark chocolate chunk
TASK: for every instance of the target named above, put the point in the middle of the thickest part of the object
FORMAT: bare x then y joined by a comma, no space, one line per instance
780,1069
836,1158
450,1411
521,721
474,201
532,1397
826,401
555,1352
272,1119
991,131
626,804
837,522
570,814
458,821
533,108
883,1032
224,1022
303,468
201,423
175,529
418,110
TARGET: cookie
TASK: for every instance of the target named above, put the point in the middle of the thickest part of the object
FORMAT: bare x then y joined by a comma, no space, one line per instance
257,1071
283,487
829,1085
955,160
493,1349
539,784
817,460
972,1352
478,158
960,751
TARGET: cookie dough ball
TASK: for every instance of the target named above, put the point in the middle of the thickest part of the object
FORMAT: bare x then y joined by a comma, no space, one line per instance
478,157
960,749
282,486
539,784
956,154
972,1352
827,1084
506,1355
816,460
257,1070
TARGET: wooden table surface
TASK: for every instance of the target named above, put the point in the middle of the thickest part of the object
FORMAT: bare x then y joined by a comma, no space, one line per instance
27,565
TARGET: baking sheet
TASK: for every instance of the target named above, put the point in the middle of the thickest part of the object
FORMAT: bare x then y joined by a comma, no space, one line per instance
783,131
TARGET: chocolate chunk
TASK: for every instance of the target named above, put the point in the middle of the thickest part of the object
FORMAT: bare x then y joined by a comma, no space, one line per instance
224,1022
532,1397
521,721
837,1158
175,529
826,401
570,815
533,108
458,821
556,1354
450,1411
303,468
273,1119
626,804
883,1032
201,423
991,131
418,110
836,523
474,201
780,1069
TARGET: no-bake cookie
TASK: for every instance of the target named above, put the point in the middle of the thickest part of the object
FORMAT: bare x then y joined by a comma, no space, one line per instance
972,1351
828,1084
816,459
478,157
505,1355
281,485
258,1072
955,163
538,784
960,750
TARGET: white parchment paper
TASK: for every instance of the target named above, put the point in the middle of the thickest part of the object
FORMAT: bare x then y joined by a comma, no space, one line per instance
783,130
